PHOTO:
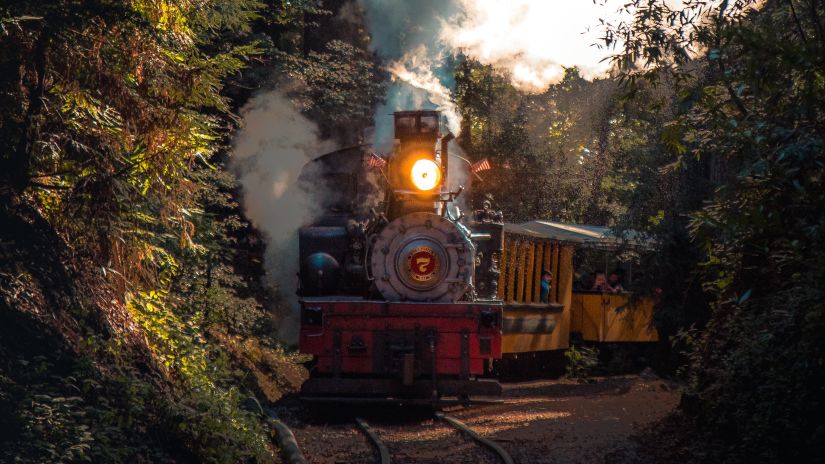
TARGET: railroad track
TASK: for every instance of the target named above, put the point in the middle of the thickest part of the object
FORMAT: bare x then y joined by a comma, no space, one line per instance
408,438
384,454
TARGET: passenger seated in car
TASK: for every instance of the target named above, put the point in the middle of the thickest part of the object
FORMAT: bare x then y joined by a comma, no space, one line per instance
614,283
600,284
546,277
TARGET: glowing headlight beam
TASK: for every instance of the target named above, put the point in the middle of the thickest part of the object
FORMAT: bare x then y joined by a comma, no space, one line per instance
426,174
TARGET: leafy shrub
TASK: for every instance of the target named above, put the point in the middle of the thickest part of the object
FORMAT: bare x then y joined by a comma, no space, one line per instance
582,361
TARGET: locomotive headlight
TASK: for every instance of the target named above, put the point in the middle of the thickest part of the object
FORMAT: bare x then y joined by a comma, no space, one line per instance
426,174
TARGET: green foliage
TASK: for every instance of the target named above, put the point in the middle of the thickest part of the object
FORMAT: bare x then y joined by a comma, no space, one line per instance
51,430
341,85
581,361
220,287
114,114
570,153
219,429
203,292
114,104
55,408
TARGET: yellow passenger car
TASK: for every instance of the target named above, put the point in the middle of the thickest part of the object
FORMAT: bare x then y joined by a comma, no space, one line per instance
593,316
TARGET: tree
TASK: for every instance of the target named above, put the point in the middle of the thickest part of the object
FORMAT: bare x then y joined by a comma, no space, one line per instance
749,123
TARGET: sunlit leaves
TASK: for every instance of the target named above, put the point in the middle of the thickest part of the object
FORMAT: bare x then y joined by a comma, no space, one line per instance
672,139
124,117
110,110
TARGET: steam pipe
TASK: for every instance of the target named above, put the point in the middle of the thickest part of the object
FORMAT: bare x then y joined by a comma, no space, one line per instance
445,156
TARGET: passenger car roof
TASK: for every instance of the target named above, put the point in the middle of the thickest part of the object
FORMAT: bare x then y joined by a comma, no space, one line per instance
580,234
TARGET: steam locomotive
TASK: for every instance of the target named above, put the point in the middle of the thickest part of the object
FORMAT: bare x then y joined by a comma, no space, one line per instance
398,289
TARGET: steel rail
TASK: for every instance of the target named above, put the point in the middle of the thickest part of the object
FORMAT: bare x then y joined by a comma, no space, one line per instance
505,457
383,452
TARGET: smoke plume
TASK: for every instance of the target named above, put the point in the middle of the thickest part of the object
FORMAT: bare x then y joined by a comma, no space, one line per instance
530,40
269,152
416,71
405,35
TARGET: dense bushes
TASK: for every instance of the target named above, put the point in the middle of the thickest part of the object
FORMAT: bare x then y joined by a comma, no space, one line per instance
111,255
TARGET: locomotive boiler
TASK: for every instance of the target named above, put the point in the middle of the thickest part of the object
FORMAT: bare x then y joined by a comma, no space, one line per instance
397,287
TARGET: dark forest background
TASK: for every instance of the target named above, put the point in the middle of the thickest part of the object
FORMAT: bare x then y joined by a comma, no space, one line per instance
133,322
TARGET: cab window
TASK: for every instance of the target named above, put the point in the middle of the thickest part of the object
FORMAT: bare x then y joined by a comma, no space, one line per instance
404,125
429,124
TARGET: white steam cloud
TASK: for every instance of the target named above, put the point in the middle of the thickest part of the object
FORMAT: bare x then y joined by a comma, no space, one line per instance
534,40
268,155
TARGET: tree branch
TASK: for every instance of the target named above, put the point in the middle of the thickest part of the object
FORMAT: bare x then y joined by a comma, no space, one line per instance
40,185
817,23
734,98
798,24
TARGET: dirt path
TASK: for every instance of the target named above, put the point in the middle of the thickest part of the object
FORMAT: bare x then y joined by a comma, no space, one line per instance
555,421
562,421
